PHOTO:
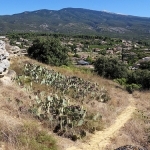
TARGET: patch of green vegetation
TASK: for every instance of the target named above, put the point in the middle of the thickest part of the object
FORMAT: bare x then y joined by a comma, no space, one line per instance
95,46
101,46
77,69
49,51
113,69
129,87
76,55
32,138
110,68
54,109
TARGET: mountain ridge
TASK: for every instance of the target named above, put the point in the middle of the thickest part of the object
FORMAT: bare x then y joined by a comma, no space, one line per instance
105,11
76,21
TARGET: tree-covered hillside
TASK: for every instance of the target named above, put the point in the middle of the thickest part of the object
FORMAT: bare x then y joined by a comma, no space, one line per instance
76,21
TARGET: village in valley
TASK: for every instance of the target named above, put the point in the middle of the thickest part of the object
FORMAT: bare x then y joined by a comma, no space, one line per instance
84,50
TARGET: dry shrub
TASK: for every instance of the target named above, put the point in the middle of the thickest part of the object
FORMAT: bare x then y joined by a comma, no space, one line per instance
12,98
9,130
18,130
34,139
24,136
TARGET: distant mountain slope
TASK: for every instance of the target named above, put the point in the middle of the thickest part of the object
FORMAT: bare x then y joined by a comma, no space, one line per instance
77,21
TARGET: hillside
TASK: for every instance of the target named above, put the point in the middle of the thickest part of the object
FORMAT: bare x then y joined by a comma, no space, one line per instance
76,21
123,125
118,115
68,108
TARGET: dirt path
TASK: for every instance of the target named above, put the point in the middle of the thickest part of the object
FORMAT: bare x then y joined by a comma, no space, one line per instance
102,138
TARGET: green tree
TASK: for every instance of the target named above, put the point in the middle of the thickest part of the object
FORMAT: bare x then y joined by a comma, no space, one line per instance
49,51
139,77
145,65
110,68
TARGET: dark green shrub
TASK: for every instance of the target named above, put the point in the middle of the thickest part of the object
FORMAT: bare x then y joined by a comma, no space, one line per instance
49,51
139,77
110,68
132,87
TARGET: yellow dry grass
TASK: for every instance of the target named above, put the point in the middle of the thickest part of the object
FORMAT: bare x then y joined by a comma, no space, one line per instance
109,111
112,111
137,129
13,120
101,139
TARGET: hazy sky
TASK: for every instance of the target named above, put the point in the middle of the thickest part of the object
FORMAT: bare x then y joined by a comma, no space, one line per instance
128,7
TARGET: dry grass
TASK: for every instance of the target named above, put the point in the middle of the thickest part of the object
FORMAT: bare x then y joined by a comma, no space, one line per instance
137,130
16,123
109,111
9,130
12,120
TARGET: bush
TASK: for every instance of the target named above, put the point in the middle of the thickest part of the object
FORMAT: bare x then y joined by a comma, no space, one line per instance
110,68
140,77
145,65
129,87
49,51
121,81
33,139
76,55
132,87
89,59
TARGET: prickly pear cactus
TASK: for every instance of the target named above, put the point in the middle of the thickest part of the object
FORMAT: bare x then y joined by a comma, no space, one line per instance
80,88
63,117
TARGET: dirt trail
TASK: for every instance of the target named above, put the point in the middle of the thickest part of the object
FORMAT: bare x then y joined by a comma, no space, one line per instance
102,138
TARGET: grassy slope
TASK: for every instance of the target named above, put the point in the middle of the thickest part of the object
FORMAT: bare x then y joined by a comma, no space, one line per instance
110,111
137,130
18,130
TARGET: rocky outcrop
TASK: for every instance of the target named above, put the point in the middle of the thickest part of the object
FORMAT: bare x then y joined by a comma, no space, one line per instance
6,75
14,51
4,59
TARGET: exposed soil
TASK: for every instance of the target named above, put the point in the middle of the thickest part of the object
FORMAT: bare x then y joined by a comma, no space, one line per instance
101,139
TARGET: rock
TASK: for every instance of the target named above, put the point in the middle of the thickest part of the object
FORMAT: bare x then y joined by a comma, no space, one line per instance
11,74
5,81
6,63
6,75
4,59
130,147
1,68
14,50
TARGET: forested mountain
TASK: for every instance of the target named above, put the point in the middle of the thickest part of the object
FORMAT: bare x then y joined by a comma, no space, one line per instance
76,21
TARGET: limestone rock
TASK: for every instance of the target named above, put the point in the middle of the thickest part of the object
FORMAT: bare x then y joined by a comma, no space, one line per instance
4,59
14,50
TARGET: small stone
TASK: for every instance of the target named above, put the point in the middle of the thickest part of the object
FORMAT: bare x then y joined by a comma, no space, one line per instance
129,147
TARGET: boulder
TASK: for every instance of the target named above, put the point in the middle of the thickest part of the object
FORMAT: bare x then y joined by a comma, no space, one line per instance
4,59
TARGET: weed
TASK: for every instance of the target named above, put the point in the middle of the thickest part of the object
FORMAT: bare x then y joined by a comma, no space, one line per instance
32,138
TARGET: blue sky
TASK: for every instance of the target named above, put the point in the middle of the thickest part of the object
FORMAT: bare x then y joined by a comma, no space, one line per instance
128,7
